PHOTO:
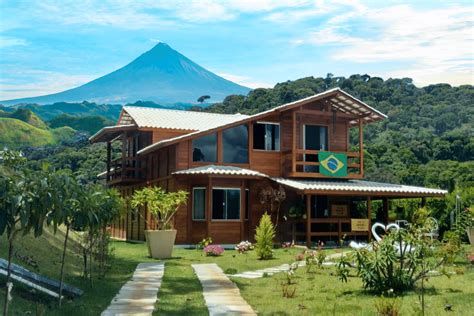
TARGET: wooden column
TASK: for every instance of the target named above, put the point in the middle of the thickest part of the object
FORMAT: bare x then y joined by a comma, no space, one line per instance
250,142
361,148
308,220
293,147
209,207
423,202
385,210
369,216
124,149
243,206
109,149
220,149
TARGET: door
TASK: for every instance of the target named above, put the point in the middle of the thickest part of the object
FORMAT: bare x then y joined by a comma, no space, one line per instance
315,137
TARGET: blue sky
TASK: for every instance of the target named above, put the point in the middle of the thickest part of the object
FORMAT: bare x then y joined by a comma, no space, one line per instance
49,46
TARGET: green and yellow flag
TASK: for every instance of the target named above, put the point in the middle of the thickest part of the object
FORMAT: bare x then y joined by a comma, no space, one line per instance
332,164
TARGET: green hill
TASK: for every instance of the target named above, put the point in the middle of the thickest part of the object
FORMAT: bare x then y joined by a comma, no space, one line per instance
90,124
24,128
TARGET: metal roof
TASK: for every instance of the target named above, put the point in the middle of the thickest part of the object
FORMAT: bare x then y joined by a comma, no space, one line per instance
145,117
336,97
220,170
110,132
357,186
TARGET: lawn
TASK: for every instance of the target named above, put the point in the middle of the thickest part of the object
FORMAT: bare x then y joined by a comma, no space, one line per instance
317,293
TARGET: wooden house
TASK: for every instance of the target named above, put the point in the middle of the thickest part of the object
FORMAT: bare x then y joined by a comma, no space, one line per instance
225,161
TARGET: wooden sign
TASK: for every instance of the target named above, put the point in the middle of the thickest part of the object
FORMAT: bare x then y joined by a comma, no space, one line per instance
339,210
359,225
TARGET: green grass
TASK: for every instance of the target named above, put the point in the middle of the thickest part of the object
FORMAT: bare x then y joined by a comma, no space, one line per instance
318,293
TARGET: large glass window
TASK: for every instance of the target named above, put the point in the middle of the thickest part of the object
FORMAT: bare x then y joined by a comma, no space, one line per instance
205,148
315,138
199,203
266,136
235,142
226,204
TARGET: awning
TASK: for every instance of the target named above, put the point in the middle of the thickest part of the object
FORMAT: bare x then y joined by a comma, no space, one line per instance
358,187
110,132
221,171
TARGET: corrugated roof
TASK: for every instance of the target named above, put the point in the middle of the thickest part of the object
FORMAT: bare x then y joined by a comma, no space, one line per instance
220,170
337,98
145,117
356,186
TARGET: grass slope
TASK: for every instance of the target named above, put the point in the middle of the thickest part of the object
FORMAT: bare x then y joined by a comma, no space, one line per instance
14,132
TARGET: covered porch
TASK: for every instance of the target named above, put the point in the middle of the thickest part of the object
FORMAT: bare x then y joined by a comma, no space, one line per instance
334,211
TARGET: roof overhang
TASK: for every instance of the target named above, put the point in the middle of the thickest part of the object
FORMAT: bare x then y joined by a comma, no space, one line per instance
358,188
110,132
336,97
221,171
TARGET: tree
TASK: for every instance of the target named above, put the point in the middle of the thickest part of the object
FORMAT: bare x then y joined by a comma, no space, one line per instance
203,98
161,205
264,235
273,197
25,199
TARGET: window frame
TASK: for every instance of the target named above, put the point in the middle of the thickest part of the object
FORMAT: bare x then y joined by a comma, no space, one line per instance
240,204
192,205
279,133
216,134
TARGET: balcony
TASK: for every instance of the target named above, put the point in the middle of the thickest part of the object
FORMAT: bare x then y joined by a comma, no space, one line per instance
126,170
303,163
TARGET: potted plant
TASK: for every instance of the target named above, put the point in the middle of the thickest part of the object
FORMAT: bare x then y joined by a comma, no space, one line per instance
162,206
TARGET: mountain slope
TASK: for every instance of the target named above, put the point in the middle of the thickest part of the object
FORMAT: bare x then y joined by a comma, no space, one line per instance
160,75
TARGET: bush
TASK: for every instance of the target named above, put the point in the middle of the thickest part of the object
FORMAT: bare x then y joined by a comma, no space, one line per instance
204,243
213,250
244,246
264,235
387,306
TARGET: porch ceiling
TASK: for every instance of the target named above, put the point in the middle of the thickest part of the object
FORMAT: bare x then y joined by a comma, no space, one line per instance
358,187
110,132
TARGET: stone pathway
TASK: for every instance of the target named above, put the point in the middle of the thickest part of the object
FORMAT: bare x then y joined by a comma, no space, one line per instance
222,296
284,267
138,296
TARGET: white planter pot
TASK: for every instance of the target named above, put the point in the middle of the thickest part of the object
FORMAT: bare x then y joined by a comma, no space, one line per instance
160,243
470,234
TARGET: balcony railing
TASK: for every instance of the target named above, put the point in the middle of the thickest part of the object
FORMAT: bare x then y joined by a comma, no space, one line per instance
307,163
128,169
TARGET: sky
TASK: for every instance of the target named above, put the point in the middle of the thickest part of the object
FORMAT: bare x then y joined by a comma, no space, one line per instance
49,46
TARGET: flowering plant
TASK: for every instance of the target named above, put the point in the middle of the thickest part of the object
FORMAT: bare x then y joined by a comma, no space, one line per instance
213,250
470,258
287,244
244,246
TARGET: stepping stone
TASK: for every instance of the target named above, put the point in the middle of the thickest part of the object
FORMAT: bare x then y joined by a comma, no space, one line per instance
222,296
138,296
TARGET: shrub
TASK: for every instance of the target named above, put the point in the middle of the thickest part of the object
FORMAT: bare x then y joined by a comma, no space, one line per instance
244,246
387,306
213,250
230,271
264,235
287,244
203,243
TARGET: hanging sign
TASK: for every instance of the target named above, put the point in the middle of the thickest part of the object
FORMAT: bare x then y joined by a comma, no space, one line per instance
359,225
332,164
339,210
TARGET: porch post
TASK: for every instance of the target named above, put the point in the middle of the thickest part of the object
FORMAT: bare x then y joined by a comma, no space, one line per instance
109,149
209,208
361,148
423,202
369,216
385,210
308,220
293,149
243,207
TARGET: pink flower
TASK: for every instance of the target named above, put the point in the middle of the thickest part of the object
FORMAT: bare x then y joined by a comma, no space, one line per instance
213,250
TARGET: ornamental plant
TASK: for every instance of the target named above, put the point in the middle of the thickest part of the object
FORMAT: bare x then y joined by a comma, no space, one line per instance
244,246
213,250
161,205
204,243
264,235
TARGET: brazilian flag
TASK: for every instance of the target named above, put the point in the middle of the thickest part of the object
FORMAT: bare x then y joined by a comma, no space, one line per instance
332,164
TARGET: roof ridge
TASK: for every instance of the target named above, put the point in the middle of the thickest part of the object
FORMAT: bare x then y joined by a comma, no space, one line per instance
182,111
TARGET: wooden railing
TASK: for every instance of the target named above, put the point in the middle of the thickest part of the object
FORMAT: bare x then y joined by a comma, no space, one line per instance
128,169
299,166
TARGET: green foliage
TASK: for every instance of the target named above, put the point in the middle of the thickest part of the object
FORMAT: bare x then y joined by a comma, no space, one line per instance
162,205
387,306
264,234
400,260
90,124
204,243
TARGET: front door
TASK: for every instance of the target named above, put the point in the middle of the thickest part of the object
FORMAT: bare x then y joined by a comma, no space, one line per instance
315,137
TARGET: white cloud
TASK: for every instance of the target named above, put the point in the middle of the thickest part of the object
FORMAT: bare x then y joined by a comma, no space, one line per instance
436,43
11,41
245,81
33,82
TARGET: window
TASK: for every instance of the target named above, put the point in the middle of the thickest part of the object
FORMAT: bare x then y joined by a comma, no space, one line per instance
226,204
266,136
235,142
205,148
314,138
199,203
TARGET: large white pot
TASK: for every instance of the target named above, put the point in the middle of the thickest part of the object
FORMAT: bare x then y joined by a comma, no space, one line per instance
470,234
160,243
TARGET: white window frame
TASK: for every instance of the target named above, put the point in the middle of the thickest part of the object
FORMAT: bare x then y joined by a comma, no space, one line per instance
240,205
192,209
279,141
